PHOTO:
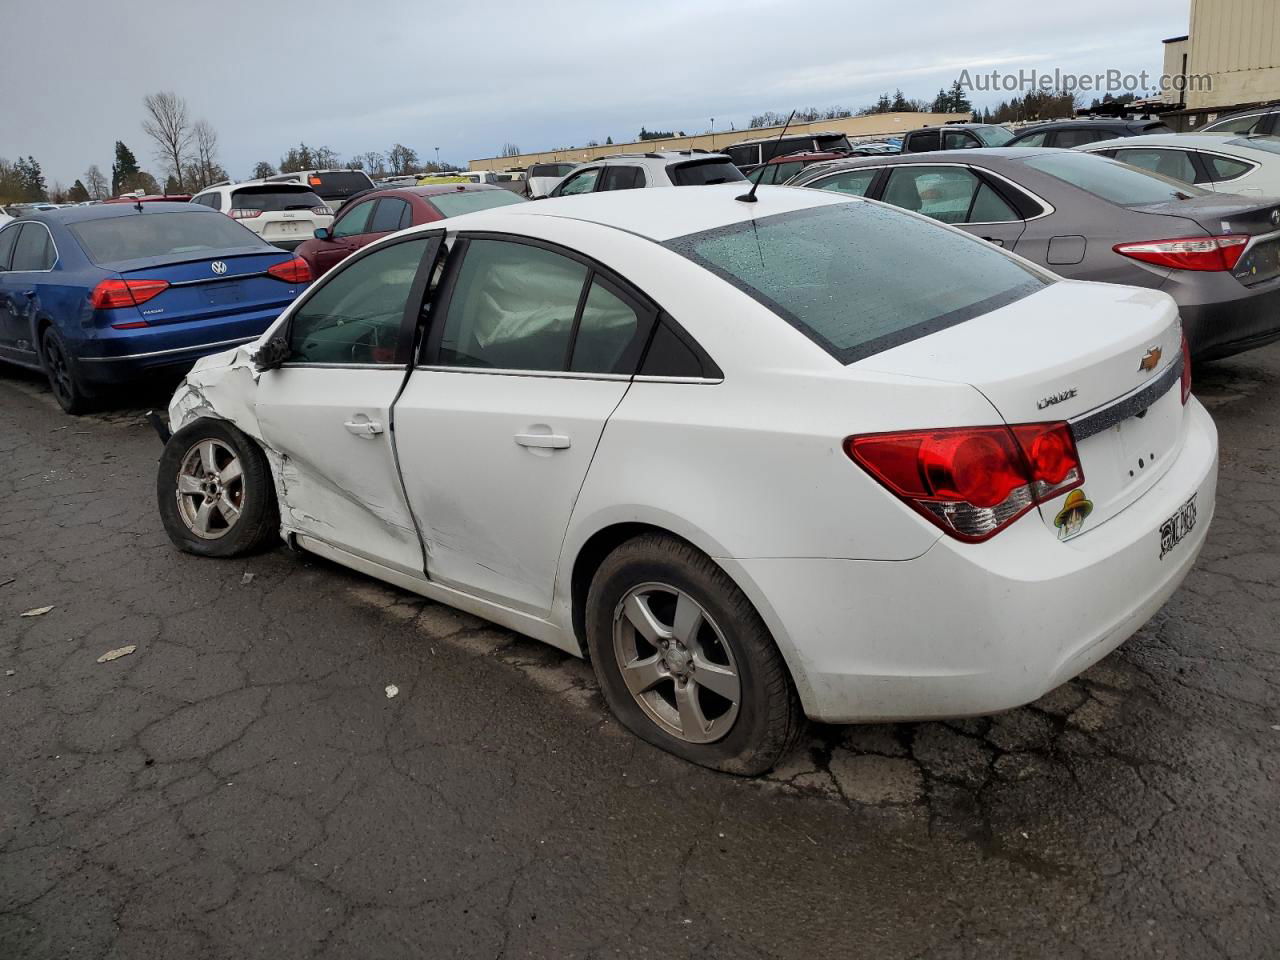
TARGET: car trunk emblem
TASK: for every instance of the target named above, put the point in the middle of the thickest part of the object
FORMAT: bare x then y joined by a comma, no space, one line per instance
219,267
1149,360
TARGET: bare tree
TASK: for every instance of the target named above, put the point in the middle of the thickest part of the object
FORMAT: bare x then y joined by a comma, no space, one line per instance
206,168
372,163
170,127
96,183
402,159
263,169
510,150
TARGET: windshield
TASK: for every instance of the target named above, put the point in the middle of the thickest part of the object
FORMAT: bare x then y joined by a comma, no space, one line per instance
699,172
140,236
274,198
1111,180
339,185
468,201
551,169
859,278
992,136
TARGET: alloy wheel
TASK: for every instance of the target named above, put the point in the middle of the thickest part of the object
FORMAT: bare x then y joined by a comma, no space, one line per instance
210,489
676,663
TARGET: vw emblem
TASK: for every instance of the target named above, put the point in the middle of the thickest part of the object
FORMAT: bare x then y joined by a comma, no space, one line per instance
219,267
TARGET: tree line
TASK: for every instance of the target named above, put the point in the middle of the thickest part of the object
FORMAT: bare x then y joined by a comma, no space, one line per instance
953,100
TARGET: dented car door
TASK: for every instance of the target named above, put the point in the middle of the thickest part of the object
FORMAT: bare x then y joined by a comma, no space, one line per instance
326,410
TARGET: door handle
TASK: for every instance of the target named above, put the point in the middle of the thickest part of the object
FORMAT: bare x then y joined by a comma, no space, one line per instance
996,240
549,441
363,428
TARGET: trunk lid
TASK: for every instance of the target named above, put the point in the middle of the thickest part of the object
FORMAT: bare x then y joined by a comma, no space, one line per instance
212,286
1222,214
1102,357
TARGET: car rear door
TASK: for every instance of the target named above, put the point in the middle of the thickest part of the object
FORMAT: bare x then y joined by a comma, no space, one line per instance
32,258
531,349
327,409
12,300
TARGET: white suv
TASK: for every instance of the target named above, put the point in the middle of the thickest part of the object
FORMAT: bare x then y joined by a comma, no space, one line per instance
284,214
629,171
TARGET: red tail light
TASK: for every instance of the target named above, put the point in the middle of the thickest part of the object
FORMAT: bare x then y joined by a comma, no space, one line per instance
1186,370
972,481
112,294
1188,253
291,271
242,213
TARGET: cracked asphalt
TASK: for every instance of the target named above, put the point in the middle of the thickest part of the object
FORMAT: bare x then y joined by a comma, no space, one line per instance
242,786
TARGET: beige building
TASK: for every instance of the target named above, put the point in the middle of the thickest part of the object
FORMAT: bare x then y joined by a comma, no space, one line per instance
875,125
1230,57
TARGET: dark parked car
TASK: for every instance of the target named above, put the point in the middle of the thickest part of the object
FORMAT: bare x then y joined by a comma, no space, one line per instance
956,136
1087,217
96,296
783,168
1076,133
375,213
334,187
1257,120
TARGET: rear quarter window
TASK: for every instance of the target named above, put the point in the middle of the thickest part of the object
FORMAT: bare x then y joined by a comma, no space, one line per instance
860,278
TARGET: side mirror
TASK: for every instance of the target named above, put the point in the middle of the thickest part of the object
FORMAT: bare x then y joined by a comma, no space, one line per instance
323,233
271,354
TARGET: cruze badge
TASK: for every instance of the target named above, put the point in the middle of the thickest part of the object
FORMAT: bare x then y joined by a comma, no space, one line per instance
1053,398
1149,360
219,267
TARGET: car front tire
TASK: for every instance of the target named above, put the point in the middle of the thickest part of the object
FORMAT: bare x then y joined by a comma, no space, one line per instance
215,492
684,660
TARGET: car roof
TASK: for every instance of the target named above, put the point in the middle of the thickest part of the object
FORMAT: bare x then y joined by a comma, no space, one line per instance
658,215
107,211
1233,141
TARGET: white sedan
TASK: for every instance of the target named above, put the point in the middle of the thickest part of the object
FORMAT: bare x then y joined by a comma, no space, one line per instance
1224,163
809,455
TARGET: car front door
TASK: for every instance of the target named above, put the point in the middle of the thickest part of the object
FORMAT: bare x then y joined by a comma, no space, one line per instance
345,237
531,349
33,256
327,409
12,300
956,195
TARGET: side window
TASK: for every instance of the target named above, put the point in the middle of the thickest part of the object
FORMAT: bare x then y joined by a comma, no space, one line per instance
582,182
1221,168
609,326
1169,163
512,308
387,216
744,156
782,172
355,316
406,217
944,193
988,207
356,221
622,178
1031,140
215,201
8,236
854,182
1238,125
34,249
1075,138
922,142
959,140
671,356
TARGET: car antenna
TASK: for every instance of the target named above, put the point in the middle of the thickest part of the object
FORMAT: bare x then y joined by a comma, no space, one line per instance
750,195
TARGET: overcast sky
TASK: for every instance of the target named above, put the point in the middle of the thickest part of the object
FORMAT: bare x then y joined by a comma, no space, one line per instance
468,77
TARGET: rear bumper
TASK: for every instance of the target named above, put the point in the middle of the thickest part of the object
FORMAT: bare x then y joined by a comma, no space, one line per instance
974,629
1221,316
120,356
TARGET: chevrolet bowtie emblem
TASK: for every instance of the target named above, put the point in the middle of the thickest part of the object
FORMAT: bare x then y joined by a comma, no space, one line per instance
1149,360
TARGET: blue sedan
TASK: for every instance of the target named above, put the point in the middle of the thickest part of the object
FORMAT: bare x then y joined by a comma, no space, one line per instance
97,297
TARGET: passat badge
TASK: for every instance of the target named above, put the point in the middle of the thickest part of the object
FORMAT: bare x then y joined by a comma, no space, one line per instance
1149,360
1053,398
219,267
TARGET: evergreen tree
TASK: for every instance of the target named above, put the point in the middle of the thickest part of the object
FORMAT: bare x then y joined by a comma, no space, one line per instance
78,193
124,170
959,100
31,179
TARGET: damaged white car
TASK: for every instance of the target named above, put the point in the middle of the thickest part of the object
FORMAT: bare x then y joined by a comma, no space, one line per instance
808,455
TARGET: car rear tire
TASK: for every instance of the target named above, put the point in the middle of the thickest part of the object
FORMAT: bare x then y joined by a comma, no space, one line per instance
684,660
63,373
215,491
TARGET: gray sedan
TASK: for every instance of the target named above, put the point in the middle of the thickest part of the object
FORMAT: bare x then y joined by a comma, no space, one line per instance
1087,217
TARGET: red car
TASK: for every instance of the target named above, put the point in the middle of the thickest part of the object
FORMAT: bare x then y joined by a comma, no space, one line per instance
783,168
368,216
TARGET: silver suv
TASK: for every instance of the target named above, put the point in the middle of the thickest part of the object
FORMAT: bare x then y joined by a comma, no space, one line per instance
631,171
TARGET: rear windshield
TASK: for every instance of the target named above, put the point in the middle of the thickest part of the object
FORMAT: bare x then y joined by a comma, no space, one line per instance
859,278
698,172
469,201
274,198
550,169
1111,180
144,235
833,143
339,185
1269,144
993,136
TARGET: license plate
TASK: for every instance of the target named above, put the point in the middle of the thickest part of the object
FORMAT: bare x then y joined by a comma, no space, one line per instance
290,226
1178,526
